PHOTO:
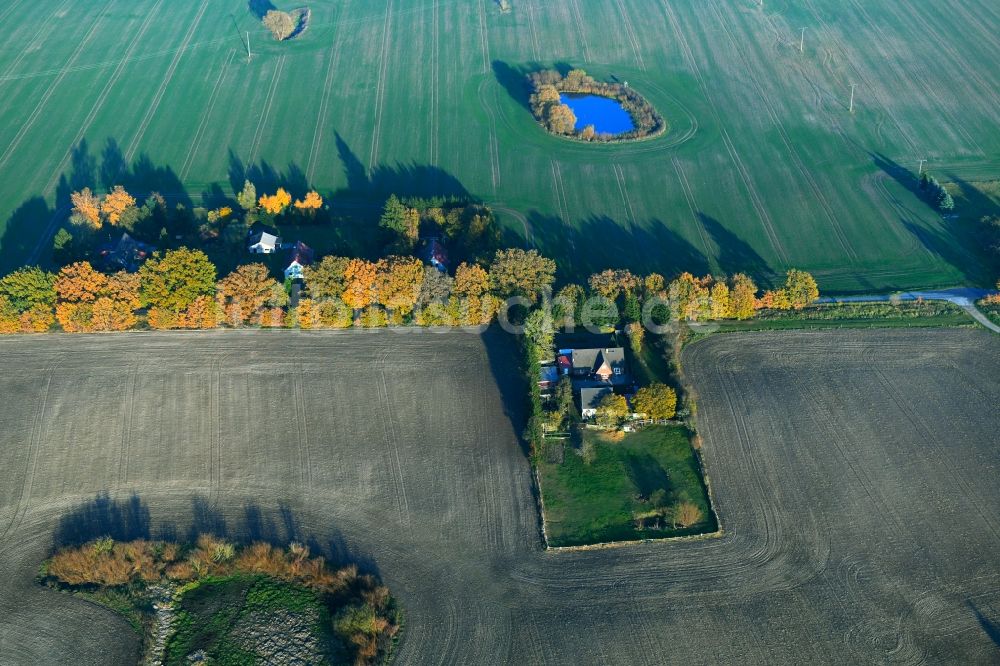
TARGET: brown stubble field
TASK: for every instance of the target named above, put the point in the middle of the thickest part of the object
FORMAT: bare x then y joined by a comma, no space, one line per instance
854,474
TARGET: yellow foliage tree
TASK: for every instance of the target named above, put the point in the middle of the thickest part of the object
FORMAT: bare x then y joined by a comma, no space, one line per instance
86,207
359,278
277,202
313,201
116,202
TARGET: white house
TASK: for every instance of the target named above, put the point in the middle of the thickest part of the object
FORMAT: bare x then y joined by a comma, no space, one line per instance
263,242
302,256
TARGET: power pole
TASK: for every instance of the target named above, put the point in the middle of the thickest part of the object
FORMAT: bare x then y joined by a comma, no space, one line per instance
802,41
853,86
248,46
920,171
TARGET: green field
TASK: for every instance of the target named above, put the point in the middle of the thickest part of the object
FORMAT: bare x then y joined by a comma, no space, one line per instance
763,168
594,498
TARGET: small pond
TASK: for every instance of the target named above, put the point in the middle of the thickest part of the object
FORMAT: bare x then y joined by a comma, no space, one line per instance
605,114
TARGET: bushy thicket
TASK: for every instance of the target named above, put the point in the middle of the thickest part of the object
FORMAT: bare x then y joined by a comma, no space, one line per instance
546,85
365,618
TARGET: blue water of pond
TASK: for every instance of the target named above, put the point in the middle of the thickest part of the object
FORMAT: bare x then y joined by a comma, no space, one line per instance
605,114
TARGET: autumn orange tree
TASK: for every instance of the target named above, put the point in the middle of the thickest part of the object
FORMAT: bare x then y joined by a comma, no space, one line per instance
742,297
690,296
397,283
92,301
312,202
524,273
115,203
86,208
244,294
359,283
275,204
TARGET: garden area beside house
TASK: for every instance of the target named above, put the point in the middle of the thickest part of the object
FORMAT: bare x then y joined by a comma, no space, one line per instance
624,487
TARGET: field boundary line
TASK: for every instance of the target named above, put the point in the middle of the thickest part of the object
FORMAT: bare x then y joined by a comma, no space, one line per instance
31,460
755,200
579,29
40,34
51,89
435,102
790,148
167,77
682,179
529,7
213,99
272,92
10,8
102,98
484,38
917,420
630,34
301,415
128,409
623,189
317,141
392,444
215,452
380,90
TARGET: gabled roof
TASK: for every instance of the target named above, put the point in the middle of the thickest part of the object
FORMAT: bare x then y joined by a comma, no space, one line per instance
263,238
126,253
590,398
301,254
593,360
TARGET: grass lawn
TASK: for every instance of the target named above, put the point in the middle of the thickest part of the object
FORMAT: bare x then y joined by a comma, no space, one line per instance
220,617
588,502
850,315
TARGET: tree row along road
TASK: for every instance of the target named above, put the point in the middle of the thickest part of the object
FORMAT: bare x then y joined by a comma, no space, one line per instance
963,297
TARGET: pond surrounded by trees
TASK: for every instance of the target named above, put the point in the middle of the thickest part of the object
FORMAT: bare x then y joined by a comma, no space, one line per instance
605,114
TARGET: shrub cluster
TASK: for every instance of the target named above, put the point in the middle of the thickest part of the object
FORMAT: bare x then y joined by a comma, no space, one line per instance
546,86
365,618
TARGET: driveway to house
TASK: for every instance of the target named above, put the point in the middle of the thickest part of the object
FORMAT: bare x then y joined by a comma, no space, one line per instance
963,297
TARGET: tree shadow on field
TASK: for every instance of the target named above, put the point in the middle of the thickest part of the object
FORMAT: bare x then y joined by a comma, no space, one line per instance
266,177
990,628
735,254
122,520
260,8
600,242
403,180
898,172
514,78
508,374
947,247
129,519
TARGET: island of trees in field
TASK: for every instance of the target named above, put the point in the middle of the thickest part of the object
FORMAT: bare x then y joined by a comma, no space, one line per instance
286,25
221,602
547,85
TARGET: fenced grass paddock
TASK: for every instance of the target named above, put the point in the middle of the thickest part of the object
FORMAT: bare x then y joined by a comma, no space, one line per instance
764,166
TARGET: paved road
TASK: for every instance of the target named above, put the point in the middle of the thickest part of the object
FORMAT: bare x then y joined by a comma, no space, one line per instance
963,297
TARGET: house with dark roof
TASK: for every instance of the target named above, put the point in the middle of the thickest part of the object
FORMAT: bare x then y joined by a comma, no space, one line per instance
125,254
605,365
301,256
590,398
435,254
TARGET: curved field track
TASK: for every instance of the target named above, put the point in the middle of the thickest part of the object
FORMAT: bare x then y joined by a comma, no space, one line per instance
855,474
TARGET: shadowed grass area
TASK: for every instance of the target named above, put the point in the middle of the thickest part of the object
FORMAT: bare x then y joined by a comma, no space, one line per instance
594,498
